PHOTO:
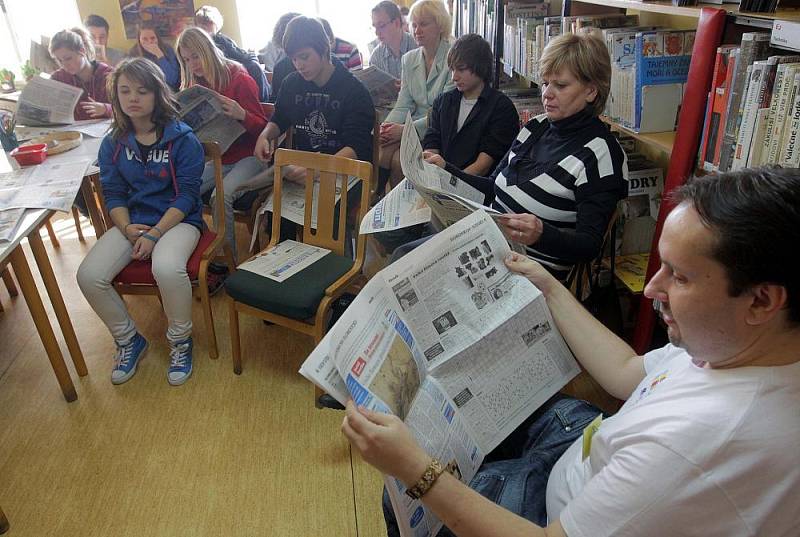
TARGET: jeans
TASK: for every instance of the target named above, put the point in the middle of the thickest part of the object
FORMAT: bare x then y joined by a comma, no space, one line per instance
514,475
112,253
247,174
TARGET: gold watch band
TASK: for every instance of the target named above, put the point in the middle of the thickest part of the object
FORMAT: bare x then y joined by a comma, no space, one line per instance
429,477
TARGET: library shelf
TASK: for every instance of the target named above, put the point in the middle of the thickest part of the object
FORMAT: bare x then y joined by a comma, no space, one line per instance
660,140
665,7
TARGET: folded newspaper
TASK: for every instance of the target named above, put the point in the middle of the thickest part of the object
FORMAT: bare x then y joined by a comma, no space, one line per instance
452,342
201,109
382,87
426,191
47,102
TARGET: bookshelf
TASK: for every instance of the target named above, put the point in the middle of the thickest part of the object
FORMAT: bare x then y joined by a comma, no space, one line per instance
661,141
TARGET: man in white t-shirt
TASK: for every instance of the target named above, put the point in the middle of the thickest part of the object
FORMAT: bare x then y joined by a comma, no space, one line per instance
707,440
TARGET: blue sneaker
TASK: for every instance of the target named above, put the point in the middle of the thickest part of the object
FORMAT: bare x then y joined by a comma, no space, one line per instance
127,358
180,364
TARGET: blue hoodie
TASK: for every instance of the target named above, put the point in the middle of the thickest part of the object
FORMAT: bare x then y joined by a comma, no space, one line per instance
168,177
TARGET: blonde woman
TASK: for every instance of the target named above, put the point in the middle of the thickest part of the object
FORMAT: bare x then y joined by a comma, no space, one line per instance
74,51
425,76
203,63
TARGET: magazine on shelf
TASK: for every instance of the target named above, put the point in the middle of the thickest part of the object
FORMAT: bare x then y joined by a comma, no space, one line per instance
200,108
453,343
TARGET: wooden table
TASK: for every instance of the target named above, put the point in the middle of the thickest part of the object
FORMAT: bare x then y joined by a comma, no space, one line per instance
32,221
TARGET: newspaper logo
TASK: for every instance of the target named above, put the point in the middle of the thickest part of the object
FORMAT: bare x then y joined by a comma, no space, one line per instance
358,367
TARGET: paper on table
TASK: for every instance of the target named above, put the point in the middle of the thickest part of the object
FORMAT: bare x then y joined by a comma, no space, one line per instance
285,260
50,185
9,221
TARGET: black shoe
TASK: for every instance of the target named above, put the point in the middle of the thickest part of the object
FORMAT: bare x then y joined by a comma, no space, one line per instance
327,401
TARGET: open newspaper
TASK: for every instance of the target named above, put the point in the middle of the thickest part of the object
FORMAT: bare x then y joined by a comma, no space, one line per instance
202,111
382,87
427,191
47,102
452,342
50,185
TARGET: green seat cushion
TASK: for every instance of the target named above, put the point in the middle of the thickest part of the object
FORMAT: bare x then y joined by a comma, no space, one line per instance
298,297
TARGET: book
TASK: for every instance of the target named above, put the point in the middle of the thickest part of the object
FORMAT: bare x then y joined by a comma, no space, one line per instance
723,101
662,66
776,120
754,46
716,107
790,156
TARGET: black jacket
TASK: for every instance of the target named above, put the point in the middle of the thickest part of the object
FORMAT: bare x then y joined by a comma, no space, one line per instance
248,60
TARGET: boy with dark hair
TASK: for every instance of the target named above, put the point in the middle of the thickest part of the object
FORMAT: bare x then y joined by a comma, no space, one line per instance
98,28
471,126
330,110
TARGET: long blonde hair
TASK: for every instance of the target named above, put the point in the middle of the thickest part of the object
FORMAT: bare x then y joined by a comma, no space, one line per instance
215,65
75,39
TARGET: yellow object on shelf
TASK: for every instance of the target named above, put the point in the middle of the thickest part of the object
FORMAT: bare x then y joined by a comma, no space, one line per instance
631,270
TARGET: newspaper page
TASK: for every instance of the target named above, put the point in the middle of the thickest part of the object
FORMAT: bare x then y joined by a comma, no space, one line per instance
202,111
47,102
50,185
453,343
9,222
293,201
382,87
285,260
401,207
90,127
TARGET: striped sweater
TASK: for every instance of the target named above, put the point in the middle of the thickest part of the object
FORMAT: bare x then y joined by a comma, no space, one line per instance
570,173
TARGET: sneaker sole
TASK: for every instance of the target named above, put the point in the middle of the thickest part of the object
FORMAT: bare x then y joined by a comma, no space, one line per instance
178,382
132,372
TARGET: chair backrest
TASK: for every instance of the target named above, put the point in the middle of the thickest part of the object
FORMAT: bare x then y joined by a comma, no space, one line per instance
213,154
268,109
376,151
333,173
582,279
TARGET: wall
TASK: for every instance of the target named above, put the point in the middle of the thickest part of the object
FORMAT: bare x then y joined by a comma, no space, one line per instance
109,9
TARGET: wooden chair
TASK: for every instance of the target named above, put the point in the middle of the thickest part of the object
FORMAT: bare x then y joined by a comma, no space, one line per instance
137,277
8,279
302,302
4,525
582,279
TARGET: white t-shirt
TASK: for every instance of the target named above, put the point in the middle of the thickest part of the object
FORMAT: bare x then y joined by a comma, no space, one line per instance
463,111
694,451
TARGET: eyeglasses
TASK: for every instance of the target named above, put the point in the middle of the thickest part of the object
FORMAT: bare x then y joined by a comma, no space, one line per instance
380,26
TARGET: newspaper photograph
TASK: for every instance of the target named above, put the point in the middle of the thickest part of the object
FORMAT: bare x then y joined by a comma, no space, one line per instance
453,343
200,108
285,260
47,102
50,185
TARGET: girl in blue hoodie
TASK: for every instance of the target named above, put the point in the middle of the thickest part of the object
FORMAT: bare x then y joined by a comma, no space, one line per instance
150,167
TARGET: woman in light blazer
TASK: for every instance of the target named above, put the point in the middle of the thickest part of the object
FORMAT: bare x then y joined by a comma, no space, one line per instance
425,75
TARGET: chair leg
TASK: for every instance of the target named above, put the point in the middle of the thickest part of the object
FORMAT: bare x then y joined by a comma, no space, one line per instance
52,233
76,215
233,328
4,525
205,303
9,281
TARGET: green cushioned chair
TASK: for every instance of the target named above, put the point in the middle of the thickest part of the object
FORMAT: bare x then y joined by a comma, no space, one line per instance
302,302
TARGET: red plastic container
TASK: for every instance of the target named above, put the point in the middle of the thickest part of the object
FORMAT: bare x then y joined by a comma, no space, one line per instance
28,155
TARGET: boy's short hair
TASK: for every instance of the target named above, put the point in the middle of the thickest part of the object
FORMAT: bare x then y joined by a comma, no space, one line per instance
471,51
302,32
390,8
96,21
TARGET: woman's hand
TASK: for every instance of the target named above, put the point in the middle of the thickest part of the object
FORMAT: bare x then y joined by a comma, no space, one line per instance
532,270
231,108
153,49
143,249
93,109
434,158
385,442
523,228
390,133
134,231
295,174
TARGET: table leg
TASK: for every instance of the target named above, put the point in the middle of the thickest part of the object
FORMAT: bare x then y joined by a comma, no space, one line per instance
51,284
91,206
52,233
34,301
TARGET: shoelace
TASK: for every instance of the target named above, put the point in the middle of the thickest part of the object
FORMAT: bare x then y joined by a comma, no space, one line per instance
123,355
178,355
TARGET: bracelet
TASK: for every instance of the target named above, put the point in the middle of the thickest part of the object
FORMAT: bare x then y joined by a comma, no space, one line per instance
160,233
150,237
429,477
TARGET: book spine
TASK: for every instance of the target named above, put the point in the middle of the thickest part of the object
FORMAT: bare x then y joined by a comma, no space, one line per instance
747,111
712,119
783,114
773,120
790,157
